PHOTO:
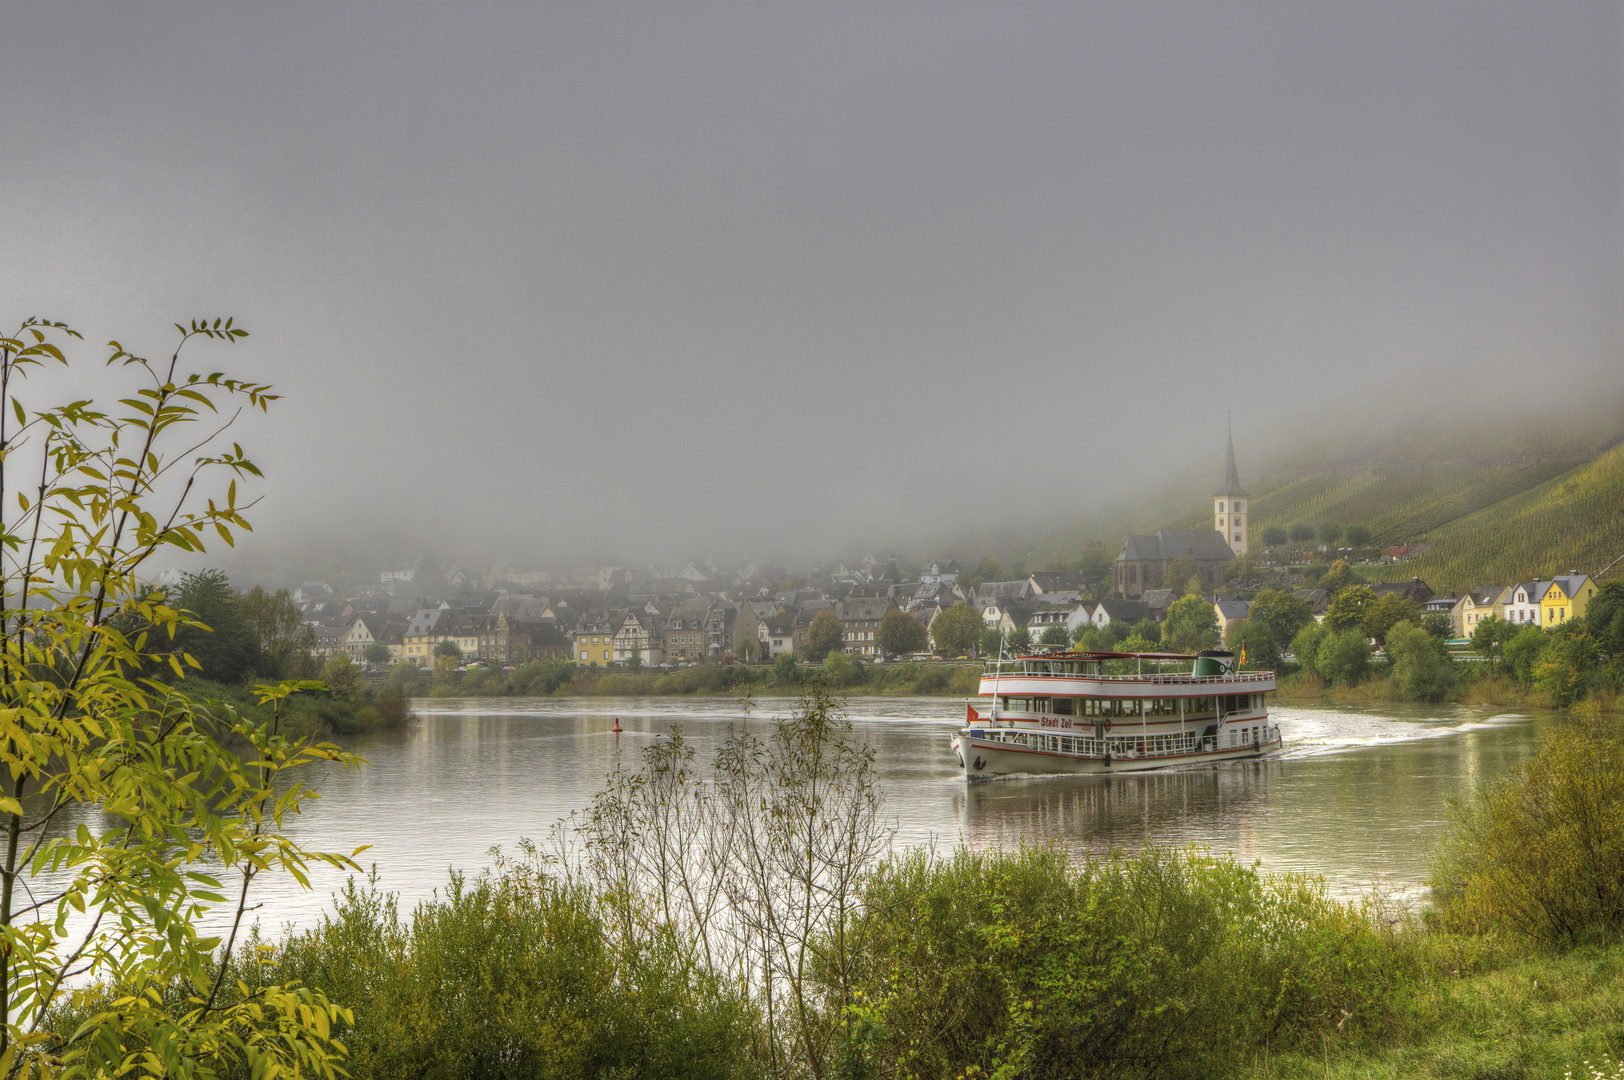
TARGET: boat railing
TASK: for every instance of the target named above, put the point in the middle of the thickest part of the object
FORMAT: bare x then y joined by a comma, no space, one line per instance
1147,677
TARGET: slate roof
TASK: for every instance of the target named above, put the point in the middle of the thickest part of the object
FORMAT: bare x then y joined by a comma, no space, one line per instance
1168,544
1157,599
863,608
1124,610
1414,589
1057,581
1232,610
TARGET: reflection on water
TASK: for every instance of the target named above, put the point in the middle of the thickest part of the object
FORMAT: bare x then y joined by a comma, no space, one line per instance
1358,795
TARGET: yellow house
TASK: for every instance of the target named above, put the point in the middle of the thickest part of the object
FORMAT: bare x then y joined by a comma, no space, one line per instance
594,642
1477,605
1567,598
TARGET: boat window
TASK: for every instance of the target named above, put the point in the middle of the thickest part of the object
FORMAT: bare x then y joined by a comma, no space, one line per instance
1065,706
1040,704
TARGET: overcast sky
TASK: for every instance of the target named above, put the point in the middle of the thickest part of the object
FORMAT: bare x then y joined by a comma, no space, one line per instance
665,279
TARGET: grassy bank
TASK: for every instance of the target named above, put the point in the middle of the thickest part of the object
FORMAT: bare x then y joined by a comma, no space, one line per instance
545,678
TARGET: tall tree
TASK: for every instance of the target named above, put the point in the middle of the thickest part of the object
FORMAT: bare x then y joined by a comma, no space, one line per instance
1302,532
284,639
900,633
1191,625
1386,613
957,630
1275,536
1358,535
220,640
824,636
1348,607
1279,614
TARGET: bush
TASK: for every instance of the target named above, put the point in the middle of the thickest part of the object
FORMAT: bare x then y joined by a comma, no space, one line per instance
1422,668
1541,852
510,975
1565,666
1521,652
784,673
1161,964
1305,646
1343,657
842,670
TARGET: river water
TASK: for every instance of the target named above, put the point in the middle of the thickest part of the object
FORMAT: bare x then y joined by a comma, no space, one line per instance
1357,795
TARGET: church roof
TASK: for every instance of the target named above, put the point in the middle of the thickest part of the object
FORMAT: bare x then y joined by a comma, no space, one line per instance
1232,477
1168,544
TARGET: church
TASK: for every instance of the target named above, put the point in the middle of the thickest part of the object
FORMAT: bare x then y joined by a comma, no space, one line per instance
1143,561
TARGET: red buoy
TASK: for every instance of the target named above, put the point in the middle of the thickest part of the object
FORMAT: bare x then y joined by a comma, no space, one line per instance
616,728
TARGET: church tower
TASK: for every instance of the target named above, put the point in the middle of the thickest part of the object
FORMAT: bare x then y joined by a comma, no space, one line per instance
1229,505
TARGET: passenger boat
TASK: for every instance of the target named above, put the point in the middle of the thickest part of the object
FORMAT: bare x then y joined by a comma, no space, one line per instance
1103,712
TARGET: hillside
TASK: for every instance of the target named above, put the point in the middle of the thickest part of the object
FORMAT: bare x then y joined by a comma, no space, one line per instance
1479,522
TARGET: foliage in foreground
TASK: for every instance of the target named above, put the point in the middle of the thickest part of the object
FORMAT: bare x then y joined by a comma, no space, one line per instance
127,819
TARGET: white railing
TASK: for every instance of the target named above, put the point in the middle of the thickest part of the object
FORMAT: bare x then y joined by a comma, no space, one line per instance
1180,680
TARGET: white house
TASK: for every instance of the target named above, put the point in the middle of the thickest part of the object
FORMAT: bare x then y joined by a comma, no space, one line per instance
1522,606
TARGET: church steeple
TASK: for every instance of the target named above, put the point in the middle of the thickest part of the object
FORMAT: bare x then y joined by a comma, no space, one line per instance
1229,505
1232,476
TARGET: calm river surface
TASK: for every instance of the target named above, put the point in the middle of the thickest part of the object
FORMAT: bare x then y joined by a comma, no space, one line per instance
1357,795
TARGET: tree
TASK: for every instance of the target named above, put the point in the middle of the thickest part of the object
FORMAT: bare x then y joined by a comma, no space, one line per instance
1439,625
1019,640
1422,668
1387,612
1489,637
285,641
1302,533
1055,635
1149,629
1191,625
1091,638
1280,614
957,630
1182,578
784,673
340,674
1305,645
447,648
1275,536
376,653
165,804
1565,665
992,639
1254,639
1348,607
988,569
900,633
1522,651
1329,532
1243,570
221,642
824,636
1605,617
1339,577
1358,536
1096,565
1343,657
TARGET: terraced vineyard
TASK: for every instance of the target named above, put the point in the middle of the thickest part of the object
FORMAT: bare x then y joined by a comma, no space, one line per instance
1572,522
1397,505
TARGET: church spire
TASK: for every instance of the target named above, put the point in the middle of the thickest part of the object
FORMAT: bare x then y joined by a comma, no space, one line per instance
1232,476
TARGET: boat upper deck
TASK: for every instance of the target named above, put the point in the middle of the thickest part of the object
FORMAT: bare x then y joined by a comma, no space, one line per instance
1085,675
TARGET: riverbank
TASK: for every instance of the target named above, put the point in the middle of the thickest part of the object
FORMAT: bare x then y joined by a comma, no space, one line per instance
1488,689
314,714
561,678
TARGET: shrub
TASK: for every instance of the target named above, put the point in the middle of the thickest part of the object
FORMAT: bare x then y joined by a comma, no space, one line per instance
1422,668
1305,646
1025,964
1343,657
1520,653
1541,852
1564,667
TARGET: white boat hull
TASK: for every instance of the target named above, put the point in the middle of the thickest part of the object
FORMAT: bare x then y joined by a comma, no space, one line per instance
986,758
